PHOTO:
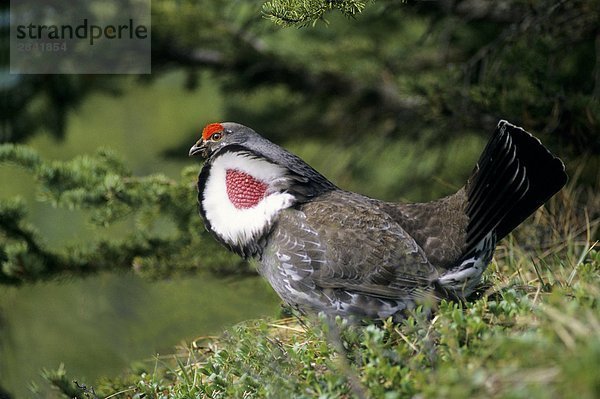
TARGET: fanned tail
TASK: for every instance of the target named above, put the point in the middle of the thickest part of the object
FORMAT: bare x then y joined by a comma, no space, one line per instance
515,175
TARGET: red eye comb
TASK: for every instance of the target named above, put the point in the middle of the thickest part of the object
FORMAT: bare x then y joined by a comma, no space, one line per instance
210,129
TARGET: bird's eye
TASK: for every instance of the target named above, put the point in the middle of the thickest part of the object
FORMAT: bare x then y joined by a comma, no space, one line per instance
216,136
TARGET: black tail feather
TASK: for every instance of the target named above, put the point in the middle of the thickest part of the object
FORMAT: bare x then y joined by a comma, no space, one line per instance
515,175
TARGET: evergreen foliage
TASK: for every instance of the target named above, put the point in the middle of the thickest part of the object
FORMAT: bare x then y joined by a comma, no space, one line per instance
303,13
422,69
102,185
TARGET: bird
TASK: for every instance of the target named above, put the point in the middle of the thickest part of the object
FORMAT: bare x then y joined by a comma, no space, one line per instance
328,250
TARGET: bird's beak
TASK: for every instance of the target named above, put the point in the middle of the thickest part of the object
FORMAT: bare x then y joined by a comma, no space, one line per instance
199,147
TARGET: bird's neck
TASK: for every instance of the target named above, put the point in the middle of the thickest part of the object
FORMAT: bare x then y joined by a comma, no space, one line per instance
240,195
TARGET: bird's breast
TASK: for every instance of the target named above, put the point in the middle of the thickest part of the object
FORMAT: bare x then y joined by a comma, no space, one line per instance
238,198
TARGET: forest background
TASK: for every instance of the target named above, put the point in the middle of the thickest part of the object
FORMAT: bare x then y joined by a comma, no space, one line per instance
99,237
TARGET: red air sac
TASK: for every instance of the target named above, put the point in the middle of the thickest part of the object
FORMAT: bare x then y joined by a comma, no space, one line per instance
243,190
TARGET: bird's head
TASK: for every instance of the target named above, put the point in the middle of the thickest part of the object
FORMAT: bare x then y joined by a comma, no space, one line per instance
216,136
229,138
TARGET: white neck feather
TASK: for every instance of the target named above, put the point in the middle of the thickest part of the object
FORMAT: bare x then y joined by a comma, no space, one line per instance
241,226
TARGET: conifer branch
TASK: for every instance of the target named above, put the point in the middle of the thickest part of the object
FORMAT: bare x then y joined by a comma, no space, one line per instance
102,185
301,13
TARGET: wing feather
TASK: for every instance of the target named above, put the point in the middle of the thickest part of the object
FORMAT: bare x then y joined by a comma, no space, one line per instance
341,242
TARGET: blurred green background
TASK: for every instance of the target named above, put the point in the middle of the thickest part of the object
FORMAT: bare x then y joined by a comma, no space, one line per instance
100,324
396,104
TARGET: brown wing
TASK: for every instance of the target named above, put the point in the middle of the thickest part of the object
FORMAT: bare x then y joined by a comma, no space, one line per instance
341,241
439,227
